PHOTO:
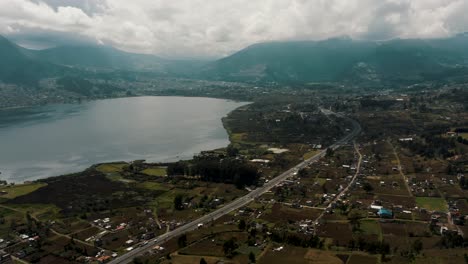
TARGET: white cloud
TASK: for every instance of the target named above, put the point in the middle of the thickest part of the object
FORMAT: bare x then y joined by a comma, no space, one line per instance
217,28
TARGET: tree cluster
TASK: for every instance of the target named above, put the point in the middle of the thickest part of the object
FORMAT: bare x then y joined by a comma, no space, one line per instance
210,169
452,240
463,182
373,247
297,240
432,146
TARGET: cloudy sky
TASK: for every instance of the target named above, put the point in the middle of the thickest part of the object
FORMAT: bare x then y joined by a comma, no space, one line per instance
214,28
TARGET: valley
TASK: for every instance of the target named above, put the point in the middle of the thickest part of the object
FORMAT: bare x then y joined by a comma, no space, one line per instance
338,150
404,203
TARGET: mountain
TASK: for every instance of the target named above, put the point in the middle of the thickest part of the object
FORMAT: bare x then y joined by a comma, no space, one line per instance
99,57
104,57
20,66
344,59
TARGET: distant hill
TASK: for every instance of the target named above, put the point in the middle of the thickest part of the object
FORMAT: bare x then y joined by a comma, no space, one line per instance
20,66
344,59
23,66
99,57
104,57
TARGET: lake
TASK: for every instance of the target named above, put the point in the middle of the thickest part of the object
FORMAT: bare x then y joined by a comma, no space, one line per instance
52,140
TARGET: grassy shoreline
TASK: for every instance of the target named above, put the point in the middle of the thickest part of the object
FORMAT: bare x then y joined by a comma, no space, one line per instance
25,182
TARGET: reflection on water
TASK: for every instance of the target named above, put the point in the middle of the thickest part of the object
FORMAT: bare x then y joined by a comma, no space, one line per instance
52,140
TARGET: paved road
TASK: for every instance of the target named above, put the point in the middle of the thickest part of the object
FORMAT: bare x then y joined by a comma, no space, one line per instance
238,203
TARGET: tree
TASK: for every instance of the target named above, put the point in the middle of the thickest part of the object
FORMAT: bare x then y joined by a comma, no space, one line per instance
417,246
354,217
302,173
178,204
252,257
182,241
242,224
203,261
232,151
367,187
177,168
229,246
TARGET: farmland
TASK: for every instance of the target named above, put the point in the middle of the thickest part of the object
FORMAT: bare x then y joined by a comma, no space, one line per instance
431,203
405,198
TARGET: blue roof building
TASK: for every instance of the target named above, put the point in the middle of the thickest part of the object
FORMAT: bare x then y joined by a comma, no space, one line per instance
385,213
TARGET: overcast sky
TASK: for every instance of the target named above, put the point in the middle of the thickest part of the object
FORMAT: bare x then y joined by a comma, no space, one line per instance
215,28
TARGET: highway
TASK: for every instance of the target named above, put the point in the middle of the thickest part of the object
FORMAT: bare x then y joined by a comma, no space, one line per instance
240,202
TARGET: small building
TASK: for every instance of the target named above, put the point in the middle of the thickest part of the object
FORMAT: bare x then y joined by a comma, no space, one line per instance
452,134
406,139
260,161
385,213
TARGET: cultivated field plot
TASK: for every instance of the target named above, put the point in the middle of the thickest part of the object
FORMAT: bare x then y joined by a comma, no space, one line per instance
296,255
283,214
362,259
340,233
432,203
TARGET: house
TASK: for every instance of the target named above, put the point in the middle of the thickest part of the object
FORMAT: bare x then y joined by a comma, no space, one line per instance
260,161
452,134
406,139
103,259
385,213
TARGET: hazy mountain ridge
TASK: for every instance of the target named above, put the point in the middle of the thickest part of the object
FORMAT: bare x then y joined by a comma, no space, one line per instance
19,65
343,59
24,66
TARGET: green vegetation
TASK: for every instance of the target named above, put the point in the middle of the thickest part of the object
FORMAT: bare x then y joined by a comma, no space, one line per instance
14,191
279,226
156,171
310,154
432,203
111,167
371,228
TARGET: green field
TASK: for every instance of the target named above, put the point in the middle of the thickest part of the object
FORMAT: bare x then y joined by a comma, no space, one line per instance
154,186
237,137
156,171
371,228
310,154
19,190
111,167
431,203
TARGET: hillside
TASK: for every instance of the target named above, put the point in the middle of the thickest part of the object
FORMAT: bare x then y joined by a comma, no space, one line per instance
23,66
109,58
19,65
102,57
343,59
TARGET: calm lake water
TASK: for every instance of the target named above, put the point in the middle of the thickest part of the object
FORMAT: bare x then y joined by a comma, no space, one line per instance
52,140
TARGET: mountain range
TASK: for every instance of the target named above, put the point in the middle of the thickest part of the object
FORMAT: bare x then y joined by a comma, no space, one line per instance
344,59
403,61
